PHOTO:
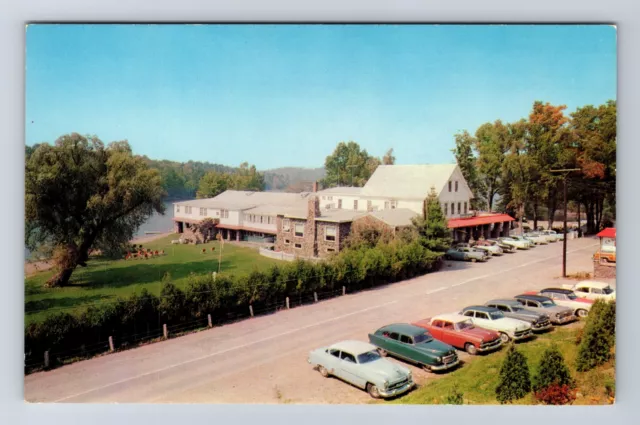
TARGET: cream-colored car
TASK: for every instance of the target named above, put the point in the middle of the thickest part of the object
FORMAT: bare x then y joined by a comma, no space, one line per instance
592,290
495,320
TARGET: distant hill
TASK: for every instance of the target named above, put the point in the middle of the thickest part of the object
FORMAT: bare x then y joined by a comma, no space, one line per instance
292,179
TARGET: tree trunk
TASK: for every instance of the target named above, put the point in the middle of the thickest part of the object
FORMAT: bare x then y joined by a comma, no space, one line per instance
61,278
535,215
553,206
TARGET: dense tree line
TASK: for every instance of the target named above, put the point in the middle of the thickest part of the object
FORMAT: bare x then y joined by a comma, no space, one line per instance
515,162
350,165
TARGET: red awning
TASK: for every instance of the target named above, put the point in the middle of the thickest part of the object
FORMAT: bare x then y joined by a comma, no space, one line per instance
455,223
608,232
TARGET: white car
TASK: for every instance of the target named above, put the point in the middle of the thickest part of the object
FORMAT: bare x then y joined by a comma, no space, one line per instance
552,235
517,243
525,240
495,320
536,238
494,249
592,290
567,298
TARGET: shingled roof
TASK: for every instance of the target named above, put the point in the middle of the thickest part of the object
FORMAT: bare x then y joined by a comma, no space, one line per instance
408,181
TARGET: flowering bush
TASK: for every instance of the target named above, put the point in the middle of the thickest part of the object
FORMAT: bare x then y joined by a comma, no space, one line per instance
556,394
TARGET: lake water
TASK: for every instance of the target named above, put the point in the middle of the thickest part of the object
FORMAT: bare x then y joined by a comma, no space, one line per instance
155,223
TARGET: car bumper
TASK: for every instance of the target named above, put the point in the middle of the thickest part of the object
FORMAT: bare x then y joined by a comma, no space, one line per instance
396,391
542,328
526,335
563,320
445,366
490,347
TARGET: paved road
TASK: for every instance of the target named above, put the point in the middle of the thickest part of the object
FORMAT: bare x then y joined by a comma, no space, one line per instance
263,360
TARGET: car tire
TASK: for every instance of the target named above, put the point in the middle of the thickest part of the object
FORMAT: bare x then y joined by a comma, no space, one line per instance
426,368
373,391
323,371
382,352
504,337
470,348
582,313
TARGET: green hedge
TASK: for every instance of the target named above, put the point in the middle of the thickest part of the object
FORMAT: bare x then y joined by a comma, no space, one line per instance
141,316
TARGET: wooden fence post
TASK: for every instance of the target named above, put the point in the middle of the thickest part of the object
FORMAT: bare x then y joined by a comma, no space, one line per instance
344,290
209,320
287,303
111,344
251,310
315,297
164,331
46,359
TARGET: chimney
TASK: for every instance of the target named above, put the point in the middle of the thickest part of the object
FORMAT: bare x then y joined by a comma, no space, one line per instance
313,208
315,186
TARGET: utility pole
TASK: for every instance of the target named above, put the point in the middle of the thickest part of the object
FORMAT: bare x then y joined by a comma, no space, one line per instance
564,239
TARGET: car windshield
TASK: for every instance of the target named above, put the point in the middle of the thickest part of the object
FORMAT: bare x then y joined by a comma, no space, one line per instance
425,337
607,290
548,303
496,315
368,357
466,325
516,308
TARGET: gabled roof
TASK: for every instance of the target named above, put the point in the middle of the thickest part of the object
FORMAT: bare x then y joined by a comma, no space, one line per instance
341,190
609,232
408,181
395,217
243,199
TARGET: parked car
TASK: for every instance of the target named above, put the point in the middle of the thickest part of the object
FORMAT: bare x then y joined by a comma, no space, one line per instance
525,240
495,320
360,364
488,246
516,243
473,248
536,238
414,344
512,308
465,254
552,235
568,298
505,247
607,254
460,332
558,315
592,290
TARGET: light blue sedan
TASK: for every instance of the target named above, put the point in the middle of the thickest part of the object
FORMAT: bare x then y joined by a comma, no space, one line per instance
360,364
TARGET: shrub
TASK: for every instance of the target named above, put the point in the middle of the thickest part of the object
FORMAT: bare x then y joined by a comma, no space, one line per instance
552,370
515,381
598,337
454,396
556,394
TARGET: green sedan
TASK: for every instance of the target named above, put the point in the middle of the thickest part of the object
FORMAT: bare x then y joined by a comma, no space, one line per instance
415,345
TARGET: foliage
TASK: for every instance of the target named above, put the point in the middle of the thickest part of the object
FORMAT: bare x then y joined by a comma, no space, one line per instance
466,160
349,165
81,195
243,178
556,394
491,143
552,371
454,397
598,337
515,381
205,227
433,232
388,158
226,297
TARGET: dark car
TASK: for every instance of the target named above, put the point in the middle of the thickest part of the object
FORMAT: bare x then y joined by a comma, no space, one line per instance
545,305
512,308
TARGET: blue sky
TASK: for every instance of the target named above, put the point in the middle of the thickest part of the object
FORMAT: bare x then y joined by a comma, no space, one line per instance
286,95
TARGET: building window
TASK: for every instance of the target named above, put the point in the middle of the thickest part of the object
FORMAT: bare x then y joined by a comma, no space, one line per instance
446,209
331,250
465,207
368,205
287,241
386,205
392,204
330,198
339,203
187,210
261,217
299,230
449,185
355,204
330,233
453,208
298,245
177,208
324,198
459,207
286,225
203,211
217,213
224,213
456,185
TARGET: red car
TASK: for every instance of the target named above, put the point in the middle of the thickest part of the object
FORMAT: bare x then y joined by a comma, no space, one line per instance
458,331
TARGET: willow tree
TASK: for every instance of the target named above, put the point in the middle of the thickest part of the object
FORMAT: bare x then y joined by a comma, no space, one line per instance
81,195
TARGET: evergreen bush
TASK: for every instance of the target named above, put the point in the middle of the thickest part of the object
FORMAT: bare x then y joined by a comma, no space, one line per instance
515,381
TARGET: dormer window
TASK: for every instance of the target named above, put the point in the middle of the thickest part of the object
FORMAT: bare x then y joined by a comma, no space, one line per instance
456,185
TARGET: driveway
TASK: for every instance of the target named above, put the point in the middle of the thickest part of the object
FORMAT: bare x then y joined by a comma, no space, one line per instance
263,360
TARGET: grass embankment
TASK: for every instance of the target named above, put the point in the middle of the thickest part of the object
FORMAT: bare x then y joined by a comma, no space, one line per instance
104,280
478,378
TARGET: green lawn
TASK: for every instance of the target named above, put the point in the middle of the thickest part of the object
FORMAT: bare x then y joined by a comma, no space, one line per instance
104,280
478,378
